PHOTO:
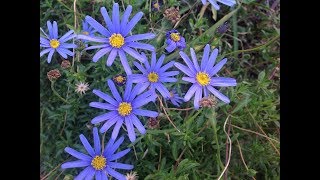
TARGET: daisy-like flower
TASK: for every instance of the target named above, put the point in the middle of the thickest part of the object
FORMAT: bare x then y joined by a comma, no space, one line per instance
175,98
215,4
174,40
87,29
119,79
53,43
116,38
123,109
154,75
202,78
98,164
81,88
156,4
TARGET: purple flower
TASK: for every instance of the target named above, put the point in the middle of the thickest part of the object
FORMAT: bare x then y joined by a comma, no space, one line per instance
116,38
215,4
174,40
175,98
123,109
156,4
87,29
52,42
202,78
99,164
154,75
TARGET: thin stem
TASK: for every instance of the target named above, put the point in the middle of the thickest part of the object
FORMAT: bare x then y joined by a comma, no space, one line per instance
214,125
41,129
57,94
165,112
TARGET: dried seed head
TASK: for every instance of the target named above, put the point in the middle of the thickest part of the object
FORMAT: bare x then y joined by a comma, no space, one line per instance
53,74
132,176
65,64
209,102
172,14
153,123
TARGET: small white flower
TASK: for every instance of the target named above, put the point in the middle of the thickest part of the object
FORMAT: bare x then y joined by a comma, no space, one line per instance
82,87
132,176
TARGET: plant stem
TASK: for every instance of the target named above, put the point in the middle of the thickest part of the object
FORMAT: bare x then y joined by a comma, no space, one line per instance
57,94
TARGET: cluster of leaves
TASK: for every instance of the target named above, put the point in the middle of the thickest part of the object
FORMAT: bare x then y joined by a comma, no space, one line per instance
198,151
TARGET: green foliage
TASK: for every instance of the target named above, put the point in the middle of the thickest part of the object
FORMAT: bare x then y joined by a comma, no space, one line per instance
198,151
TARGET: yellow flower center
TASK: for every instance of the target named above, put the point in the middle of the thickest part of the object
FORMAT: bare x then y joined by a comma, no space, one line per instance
119,79
85,32
156,5
116,40
175,37
153,77
54,43
203,78
124,109
171,94
99,162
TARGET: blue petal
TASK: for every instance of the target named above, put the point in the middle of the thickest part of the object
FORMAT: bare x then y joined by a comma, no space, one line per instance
132,23
73,164
66,51
101,53
66,36
184,69
211,60
205,57
63,54
109,123
139,78
141,68
87,145
116,129
160,62
188,61
45,51
44,41
114,146
116,17
94,39
142,99
50,55
104,117
137,90
127,90
106,97
130,129
98,176
218,94
114,91
97,46
96,141
119,155
112,56
191,91
165,80
49,25
162,89
125,18
189,79
133,53
124,62
77,154
107,19
97,26
153,60
170,73
137,124
171,47
197,98
91,174
165,67
227,2
139,45
217,67
214,4
115,174
83,173
223,81
194,59
68,45
55,30
120,165
147,113
138,37
204,2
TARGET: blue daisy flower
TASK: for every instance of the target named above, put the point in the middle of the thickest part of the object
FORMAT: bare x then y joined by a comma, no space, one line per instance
52,42
116,38
154,75
98,164
156,5
202,78
175,98
87,29
215,4
174,40
123,109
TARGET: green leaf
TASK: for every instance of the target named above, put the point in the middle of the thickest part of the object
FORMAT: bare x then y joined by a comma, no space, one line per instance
185,165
